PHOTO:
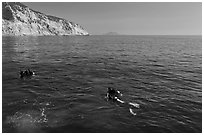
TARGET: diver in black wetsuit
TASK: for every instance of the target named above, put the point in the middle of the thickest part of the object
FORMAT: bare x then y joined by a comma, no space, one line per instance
26,73
113,94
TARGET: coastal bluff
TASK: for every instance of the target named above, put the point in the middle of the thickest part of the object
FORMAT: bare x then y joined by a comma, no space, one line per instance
19,20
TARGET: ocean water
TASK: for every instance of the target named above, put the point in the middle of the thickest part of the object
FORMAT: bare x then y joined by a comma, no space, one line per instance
163,74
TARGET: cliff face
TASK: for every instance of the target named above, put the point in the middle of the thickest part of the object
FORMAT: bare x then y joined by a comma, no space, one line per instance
18,19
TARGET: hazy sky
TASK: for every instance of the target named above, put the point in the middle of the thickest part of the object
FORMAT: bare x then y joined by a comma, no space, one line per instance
129,18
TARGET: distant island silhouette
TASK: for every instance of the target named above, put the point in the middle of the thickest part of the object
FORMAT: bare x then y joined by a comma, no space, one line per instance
112,33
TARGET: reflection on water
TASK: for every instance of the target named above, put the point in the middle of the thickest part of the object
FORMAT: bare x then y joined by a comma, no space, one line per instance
26,48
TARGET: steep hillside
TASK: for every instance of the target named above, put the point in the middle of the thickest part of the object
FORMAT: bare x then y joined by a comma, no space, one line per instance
18,19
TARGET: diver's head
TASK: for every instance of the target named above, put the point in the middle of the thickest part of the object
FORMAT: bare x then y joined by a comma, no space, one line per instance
113,93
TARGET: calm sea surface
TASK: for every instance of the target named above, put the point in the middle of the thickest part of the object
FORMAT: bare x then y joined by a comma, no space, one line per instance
161,73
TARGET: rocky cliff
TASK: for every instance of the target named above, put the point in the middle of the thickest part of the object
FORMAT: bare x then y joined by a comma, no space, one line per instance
18,19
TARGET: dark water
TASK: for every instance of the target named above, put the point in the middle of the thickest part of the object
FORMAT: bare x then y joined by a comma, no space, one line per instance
161,73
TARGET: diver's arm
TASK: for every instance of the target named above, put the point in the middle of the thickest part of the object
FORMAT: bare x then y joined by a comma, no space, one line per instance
119,100
134,104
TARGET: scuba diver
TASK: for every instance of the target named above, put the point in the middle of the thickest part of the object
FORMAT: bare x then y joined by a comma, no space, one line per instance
115,95
26,73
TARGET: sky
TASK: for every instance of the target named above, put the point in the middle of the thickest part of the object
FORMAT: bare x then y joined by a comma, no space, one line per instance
133,18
